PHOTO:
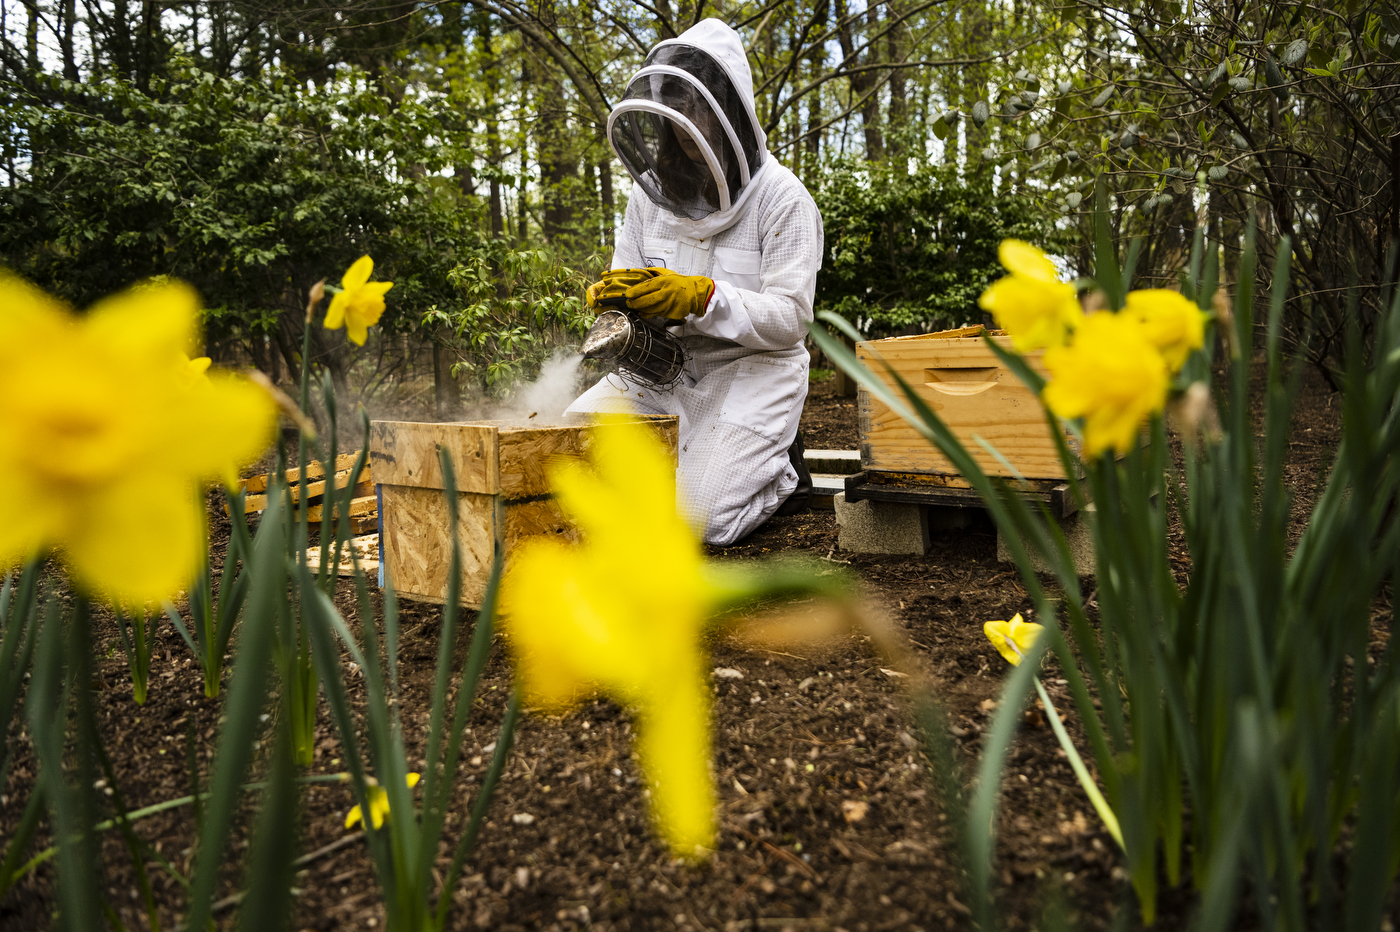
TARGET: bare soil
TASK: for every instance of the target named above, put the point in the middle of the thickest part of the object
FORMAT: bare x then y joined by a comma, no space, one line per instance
829,819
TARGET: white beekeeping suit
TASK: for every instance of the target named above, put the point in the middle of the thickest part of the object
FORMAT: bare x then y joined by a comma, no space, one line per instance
709,200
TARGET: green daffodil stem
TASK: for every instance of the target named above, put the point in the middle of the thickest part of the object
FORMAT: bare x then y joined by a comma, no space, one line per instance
1091,789
154,809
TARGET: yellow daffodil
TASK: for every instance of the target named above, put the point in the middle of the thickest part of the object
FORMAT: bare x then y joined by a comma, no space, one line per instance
107,434
1013,639
1031,304
360,302
378,804
622,615
1112,376
1176,326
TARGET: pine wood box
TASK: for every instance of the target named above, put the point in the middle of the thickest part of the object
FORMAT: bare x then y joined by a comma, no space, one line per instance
964,383
503,494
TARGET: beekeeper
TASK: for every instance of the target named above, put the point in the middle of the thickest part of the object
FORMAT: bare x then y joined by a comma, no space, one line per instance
730,242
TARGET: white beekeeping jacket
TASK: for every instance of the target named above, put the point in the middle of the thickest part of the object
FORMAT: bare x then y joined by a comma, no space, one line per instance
708,198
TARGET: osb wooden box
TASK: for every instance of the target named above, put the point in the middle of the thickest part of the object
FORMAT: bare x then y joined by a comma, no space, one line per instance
964,383
503,494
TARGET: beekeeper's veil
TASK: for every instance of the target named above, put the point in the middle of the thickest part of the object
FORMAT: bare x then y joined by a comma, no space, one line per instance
686,129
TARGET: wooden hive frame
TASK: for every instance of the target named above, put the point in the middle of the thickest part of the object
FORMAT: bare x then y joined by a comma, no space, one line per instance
362,510
501,470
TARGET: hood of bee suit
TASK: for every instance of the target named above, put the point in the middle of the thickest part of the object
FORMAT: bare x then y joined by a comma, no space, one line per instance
686,129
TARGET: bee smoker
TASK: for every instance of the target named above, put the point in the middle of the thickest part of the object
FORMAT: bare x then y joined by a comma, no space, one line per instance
641,350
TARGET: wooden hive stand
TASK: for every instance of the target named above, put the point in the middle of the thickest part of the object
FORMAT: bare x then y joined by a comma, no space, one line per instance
905,484
503,494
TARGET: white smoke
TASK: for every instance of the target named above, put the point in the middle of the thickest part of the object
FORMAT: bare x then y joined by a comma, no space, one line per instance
548,395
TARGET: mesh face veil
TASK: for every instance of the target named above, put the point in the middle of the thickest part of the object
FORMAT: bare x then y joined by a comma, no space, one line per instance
685,132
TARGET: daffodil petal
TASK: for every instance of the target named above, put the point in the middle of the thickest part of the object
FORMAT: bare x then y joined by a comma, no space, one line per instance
1024,634
32,520
147,320
137,540
354,817
232,424
1035,313
335,314
673,743
999,633
594,618
358,273
1022,258
24,303
378,806
540,602
1174,324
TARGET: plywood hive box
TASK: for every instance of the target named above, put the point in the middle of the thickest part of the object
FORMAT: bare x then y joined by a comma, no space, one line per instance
963,381
503,494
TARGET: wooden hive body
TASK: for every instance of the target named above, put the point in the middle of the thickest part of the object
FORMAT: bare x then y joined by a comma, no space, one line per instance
963,381
503,494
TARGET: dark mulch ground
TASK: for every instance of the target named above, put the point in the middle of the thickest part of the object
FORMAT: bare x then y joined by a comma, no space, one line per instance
828,420
798,733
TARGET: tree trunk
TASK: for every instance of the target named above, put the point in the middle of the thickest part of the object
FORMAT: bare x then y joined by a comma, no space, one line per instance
816,67
976,39
31,37
65,40
864,82
899,106
522,222
493,129
146,44
288,345
557,166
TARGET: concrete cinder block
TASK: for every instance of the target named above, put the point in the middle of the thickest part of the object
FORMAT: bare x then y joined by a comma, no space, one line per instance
881,527
1077,535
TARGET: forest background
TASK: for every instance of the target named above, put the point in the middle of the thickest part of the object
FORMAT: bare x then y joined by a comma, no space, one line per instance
252,148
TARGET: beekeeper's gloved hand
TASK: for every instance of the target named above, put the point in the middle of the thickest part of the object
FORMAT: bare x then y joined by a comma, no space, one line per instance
611,291
669,294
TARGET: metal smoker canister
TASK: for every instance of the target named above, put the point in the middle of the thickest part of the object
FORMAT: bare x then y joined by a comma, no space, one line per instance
640,349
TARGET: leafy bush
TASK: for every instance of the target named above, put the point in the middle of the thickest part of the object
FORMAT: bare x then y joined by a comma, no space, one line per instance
249,191
513,307
911,252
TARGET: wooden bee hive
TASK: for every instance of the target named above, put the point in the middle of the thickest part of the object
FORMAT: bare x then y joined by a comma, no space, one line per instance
963,381
502,490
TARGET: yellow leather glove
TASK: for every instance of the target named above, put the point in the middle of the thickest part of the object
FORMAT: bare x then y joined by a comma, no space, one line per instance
671,295
611,291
